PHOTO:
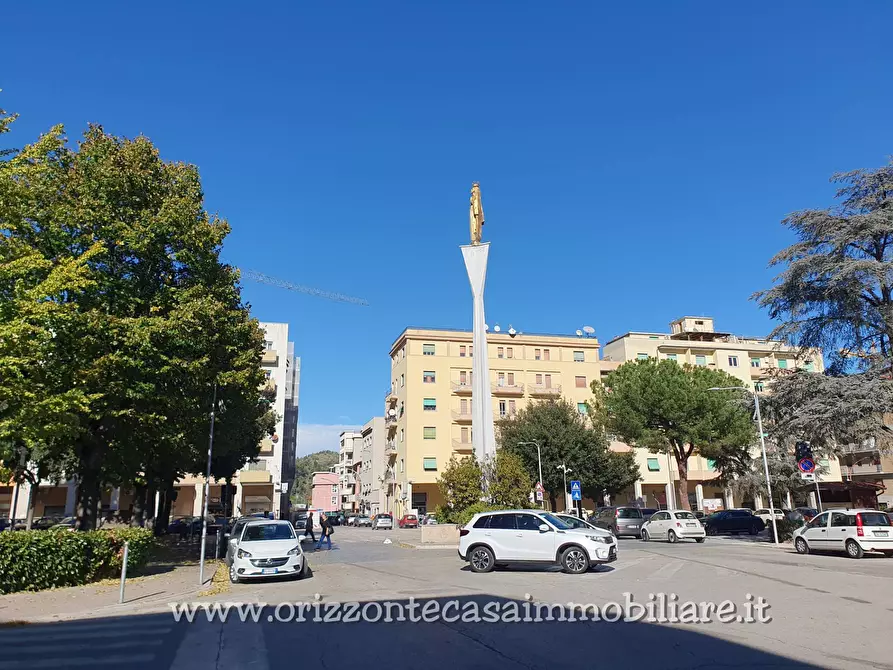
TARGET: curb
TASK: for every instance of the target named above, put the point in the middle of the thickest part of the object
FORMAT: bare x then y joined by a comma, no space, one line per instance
408,545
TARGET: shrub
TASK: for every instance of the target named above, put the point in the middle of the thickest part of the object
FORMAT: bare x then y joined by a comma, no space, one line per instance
786,528
464,516
35,560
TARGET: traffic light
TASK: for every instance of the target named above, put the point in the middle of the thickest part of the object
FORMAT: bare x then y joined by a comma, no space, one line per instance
803,450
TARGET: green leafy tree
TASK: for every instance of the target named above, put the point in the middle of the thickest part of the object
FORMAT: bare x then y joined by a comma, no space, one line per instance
460,486
510,484
669,408
566,437
305,466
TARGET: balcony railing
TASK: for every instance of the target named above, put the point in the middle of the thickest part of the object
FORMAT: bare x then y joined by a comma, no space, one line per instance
390,420
543,390
507,389
270,357
390,449
463,447
867,469
462,417
461,387
391,397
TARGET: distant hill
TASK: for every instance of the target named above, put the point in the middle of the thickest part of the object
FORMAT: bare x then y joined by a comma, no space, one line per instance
305,466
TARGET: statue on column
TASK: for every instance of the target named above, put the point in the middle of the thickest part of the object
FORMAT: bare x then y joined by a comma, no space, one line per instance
476,214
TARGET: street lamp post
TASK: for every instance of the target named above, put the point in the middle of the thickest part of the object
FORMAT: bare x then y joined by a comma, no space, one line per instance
201,563
563,467
756,402
539,462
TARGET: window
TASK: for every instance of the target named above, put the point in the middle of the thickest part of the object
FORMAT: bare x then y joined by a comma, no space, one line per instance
471,351
838,519
463,406
483,522
537,355
511,378
463,435
527,522
653,465
642,357
581,408
500,352
401,408
268,374
502,408
511,408
429,464
463,378
429,404
580,382
809,366
733,361
548,381
758,387
782,363
334,501
428,376
268,345
546,356
671,357
500,379
754,362
461,351
502,522
579,357
335,488
402,433
711,464
539,380
819,521
700,359
402,381
427,349
429,432
401,465
509,353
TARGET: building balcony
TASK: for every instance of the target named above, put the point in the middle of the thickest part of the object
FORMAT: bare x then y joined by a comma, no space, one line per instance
507,389
544,391
390,421
256,473
461,388
266,447
270,357
462,417
463,447
348,479
350,498
390,449
391,398
866,469
867,446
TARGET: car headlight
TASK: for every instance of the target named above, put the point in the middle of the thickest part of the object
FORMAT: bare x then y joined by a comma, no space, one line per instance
294,551
601,538
244,554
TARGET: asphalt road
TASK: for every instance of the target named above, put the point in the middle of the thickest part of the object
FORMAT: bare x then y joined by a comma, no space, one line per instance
826,611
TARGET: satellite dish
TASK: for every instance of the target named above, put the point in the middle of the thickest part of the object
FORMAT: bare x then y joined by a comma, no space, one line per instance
579,333
512,331
496,328
589,330
486,327
392,412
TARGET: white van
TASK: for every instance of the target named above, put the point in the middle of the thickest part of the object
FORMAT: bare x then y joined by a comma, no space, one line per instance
847,531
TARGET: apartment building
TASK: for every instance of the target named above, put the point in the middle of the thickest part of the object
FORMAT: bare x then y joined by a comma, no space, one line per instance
370,468
694,340
325,492
350,445
428,405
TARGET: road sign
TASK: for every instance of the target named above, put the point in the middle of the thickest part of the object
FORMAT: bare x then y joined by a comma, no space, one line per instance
539,487
806,465
807,476
539,495
576,490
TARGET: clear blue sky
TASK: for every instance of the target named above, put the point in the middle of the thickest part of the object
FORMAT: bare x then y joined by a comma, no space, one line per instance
635,160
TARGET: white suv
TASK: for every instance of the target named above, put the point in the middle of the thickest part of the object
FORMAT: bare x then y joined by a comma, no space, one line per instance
851,531
532,536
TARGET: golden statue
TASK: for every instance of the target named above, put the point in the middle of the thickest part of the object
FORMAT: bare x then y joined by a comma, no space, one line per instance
476,214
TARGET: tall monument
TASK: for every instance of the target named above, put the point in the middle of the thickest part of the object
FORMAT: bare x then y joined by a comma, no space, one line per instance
475,255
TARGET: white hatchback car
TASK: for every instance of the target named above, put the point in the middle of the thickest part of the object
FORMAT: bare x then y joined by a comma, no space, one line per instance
532,536
265,548
851,531
766,515
673,526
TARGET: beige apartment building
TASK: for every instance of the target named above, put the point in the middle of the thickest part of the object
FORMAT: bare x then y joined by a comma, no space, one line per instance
428,406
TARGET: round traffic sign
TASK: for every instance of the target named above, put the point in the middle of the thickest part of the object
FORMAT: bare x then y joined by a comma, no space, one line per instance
806,465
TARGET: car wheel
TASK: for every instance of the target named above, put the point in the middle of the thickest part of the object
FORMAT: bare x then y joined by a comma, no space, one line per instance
645,536
672,537
853,549
711,530
699,539
233,575
574,560
754,530
481,559
801,546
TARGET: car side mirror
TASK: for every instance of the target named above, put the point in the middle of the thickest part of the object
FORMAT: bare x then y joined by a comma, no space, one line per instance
544,528
301,538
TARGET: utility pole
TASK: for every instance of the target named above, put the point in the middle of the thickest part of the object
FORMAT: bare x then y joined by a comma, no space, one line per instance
539,462
564,469
201,563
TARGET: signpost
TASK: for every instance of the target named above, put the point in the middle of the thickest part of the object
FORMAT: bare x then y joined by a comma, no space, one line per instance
806,465
576,490
539,491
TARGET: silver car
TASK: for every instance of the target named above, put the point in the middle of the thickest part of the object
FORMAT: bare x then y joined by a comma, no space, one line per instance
265,548
383,521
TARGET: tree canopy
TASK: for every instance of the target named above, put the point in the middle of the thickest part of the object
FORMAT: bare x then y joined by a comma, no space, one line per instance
305,466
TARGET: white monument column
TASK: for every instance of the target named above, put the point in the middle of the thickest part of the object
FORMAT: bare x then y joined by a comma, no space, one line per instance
484,436
699,496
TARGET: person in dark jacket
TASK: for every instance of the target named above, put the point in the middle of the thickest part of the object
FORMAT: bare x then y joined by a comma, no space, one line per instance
325,534
308,527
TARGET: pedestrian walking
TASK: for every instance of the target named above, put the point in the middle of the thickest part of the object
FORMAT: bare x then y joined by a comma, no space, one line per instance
325,534
308,527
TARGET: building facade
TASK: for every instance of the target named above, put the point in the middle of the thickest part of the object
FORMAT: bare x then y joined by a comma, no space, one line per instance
349,447
325,492
370,468
428,405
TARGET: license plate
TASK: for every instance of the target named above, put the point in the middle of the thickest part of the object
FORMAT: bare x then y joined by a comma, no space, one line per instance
268,571
880,533
690,525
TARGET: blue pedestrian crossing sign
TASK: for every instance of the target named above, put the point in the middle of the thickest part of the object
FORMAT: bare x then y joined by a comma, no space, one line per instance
576,490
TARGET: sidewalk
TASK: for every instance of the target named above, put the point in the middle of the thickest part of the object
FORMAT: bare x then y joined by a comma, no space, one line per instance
143,594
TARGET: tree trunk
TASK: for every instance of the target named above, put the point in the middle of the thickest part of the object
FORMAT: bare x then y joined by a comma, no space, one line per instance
33,490
138,518
150,503
552,501
89,499
682,484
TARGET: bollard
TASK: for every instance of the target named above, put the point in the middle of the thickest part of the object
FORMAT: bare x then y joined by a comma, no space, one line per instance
123,572
217,546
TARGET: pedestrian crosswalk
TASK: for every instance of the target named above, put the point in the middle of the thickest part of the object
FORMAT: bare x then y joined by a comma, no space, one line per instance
146,641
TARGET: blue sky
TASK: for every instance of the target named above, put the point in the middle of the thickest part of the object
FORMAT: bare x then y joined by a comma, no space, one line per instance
635,159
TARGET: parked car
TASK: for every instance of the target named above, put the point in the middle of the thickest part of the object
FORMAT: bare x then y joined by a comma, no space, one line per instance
766,515
700,515
623,520
363,520
265,548
351,519
382,521
808,512
45,522
68,523
848,531
532,536
672,526
408,521
733,521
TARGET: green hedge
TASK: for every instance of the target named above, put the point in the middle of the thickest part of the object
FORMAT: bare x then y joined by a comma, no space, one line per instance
786,529
36,560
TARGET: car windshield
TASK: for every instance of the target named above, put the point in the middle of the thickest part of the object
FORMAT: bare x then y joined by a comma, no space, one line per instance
555,521
684,515
268,531
874,519
410,516
384,516
628,513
